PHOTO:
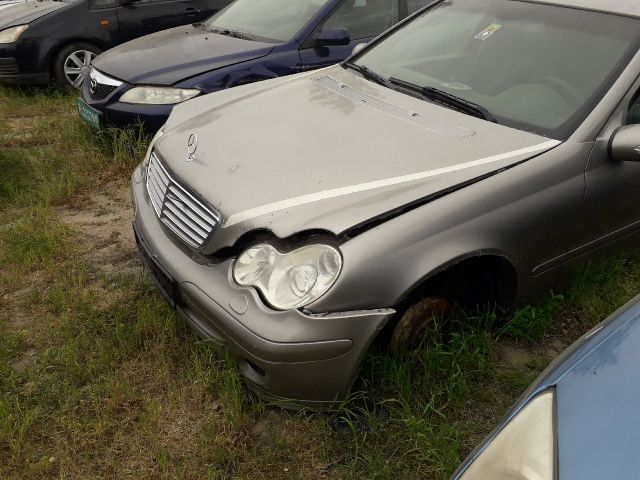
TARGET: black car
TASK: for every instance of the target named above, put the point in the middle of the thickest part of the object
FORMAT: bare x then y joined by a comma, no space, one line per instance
47,40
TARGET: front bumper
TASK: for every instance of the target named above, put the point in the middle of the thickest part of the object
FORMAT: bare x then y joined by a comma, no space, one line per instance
294,358
22,63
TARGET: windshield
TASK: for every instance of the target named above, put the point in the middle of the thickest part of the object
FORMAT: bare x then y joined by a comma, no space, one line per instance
531,66
274,21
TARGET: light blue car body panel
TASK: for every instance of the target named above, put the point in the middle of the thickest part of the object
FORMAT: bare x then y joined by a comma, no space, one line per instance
597,382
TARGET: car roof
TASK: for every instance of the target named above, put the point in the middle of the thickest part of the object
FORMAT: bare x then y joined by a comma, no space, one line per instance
621,7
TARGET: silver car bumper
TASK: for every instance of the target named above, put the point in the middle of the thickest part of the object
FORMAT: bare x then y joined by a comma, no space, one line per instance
296,359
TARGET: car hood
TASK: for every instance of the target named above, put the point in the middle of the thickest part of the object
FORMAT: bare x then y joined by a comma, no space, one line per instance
349,150
597,383
169,56
597,401
26,12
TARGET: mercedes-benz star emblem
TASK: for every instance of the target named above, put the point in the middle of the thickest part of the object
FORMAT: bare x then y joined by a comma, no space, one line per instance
192,146
93,85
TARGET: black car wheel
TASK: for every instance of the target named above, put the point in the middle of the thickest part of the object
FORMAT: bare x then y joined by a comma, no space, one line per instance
73,62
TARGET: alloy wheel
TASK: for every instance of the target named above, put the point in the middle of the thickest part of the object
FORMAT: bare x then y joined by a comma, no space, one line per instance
76,67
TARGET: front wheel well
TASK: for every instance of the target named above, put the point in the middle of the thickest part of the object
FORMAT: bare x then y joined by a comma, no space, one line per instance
478,281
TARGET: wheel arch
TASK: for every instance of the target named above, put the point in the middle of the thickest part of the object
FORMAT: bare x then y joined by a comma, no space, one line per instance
473,279
55,51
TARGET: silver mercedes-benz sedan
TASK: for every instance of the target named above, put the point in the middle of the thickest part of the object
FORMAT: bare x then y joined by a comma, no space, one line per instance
473,155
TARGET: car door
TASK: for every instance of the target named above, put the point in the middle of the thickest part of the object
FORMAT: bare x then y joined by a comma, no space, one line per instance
364,19
612,201
141,17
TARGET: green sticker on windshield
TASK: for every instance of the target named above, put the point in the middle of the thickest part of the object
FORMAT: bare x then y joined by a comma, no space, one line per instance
487,32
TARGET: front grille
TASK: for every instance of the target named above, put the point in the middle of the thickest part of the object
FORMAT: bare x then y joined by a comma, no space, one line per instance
101,85
185,216
8,66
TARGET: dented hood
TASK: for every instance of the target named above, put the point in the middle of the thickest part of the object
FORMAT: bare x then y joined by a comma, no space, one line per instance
327,150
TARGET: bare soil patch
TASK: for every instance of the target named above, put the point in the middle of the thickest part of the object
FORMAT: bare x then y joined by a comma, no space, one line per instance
103,220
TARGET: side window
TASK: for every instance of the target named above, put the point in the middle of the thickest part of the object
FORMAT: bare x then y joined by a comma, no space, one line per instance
364,18
633,115
414,5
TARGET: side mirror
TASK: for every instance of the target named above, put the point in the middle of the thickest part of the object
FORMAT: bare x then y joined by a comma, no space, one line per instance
624,145
333,36
358,47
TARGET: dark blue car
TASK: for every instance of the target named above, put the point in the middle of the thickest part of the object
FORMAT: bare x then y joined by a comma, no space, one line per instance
248,41
579,420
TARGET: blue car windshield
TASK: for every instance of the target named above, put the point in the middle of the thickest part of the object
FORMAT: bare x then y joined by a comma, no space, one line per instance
273,21
531,66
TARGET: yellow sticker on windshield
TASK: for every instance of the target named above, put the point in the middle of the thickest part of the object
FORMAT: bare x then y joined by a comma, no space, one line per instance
487,32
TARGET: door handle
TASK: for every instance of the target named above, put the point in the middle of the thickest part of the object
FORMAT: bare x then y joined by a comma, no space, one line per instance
192,12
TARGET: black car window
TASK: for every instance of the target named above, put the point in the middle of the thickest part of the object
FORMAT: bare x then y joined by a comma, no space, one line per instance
364,18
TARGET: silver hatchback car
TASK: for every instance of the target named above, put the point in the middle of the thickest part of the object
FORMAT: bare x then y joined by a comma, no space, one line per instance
473,154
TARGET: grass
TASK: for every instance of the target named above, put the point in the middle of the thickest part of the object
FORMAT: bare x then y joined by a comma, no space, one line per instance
99,379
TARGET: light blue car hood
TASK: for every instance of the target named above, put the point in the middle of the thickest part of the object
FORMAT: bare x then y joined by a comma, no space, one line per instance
598,403
597,383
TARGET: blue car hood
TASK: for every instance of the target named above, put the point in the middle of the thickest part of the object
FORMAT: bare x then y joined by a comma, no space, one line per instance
173,55
27,12
597,383
598,401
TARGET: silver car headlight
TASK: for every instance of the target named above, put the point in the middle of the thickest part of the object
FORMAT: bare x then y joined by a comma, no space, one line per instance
158,95
10,35
289,280
525,449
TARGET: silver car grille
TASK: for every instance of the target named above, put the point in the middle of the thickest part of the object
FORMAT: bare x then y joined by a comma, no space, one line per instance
191,220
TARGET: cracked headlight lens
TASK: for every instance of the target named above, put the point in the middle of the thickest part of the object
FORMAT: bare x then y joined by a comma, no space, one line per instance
158,95
525,449
10,35
289,280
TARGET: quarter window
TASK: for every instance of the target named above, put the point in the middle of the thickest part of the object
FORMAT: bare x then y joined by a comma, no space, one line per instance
633,115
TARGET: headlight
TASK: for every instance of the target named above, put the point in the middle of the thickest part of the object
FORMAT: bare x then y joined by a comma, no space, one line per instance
524,449
158,95
12,34
289,280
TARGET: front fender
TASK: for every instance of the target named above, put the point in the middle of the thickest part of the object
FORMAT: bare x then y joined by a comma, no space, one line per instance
525,214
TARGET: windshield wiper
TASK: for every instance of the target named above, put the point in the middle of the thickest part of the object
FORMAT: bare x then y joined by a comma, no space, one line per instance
367,73
232,33
446,99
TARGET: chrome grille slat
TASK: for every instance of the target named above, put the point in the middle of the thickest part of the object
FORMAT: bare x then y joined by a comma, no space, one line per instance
156,199
161,190
191,220
178,224
194,208
192,225
162,177
202,225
